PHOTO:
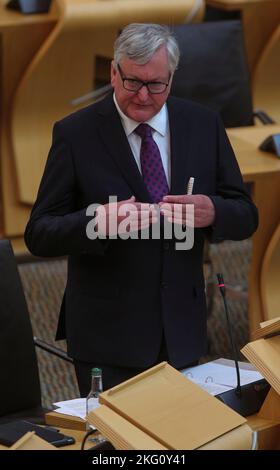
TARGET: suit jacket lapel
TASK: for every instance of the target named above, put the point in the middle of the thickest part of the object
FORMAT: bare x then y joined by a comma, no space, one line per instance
179,149
115,140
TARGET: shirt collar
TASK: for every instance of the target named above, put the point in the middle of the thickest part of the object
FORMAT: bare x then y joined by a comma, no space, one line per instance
157,122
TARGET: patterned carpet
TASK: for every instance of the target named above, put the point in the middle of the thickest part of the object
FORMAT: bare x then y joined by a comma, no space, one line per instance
233,260
44,283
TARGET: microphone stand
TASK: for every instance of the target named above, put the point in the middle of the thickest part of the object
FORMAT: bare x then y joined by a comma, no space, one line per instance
222,288
244,399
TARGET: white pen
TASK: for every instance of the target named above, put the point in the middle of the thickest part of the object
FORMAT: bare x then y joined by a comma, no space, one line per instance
190,186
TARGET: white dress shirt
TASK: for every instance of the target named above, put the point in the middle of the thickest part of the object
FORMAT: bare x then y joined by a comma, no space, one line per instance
161,135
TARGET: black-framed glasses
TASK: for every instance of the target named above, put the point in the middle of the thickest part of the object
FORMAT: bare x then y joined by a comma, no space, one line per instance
131,84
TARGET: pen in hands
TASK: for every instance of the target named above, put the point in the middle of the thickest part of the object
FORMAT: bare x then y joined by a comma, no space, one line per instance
204,210
190,186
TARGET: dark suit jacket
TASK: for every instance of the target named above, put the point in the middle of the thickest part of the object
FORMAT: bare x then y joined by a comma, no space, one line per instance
121,294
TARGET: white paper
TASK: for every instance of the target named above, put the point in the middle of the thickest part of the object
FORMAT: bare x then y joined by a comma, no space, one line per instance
215,373
75,407
210,387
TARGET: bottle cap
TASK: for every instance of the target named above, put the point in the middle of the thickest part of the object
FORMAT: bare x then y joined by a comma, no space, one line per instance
96,371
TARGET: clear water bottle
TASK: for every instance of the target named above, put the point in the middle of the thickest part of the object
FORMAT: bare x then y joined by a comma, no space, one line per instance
95,390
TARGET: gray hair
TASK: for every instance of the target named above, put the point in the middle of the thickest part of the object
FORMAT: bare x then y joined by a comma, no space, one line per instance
139,42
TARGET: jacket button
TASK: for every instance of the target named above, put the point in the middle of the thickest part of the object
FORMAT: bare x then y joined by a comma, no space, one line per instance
166,246
163,285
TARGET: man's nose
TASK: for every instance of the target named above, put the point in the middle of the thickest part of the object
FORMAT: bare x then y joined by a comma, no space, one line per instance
143,93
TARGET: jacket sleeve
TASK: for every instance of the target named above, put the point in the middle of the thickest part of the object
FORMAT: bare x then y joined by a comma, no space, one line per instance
57,227
236,215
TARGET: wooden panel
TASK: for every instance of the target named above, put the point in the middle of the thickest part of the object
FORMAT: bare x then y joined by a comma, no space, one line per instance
270,277
170,408
263,170
259,22
20,38
232,4
259,17
266,83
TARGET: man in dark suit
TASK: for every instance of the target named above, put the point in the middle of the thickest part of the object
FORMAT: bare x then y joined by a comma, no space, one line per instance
130,303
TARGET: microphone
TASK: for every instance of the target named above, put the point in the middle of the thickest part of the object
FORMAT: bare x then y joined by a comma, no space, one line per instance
222,288
244,399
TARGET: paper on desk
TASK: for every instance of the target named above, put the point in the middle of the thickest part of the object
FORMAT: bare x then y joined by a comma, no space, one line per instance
215,373
212,388
75,407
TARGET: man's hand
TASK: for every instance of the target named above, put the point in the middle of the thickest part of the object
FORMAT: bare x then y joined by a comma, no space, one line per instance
113,218
176,211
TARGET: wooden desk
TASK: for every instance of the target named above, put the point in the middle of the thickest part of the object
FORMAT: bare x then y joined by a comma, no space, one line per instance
268,434
268,431
263,171
259,18
78,435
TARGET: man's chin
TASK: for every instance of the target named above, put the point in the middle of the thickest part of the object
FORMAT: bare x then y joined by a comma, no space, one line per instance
141,113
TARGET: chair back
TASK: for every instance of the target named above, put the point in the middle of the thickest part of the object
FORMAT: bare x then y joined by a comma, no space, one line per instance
20,385
213,69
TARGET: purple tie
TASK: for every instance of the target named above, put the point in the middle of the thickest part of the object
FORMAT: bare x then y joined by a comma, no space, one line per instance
151,164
